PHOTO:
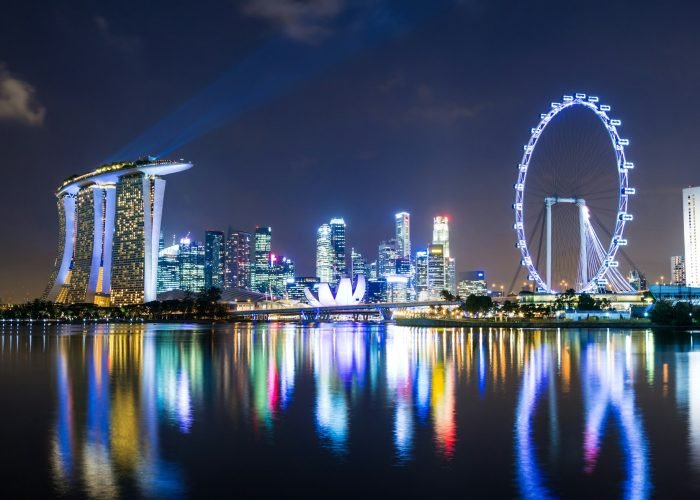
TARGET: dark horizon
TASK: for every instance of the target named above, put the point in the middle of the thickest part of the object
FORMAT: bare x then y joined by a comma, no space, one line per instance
425,112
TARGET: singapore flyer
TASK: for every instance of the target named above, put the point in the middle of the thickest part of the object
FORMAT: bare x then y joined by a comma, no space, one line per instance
571,198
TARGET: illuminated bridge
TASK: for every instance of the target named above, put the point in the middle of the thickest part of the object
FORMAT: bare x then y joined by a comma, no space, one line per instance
384,311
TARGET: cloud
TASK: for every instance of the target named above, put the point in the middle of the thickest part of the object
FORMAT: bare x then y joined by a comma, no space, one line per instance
427,109
128,44
18,102
303,20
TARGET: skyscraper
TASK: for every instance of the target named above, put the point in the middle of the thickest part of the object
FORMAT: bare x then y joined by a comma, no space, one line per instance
191,264
109,223
338,243
436,270
691,234
169,268
450,276
261,265
214,253
678,270
422,275
388,253
281,273
358,264
324,254
441,234
237,268
403,234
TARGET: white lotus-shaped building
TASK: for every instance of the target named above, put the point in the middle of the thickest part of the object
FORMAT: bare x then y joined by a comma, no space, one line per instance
344,295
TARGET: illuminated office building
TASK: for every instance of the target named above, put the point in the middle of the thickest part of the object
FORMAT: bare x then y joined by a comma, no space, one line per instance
388,253
441,234
296,287
450,276
214,252
168,268
691,235
260,278
678,270
338,244
403,234
109,223
237,267
191,261
472,283
421,284
436,271
358,264
324,254
281,273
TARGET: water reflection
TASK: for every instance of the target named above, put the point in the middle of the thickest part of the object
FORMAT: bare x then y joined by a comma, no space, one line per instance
129,399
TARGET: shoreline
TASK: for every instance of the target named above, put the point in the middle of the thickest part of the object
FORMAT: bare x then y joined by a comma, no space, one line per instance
408,322
467,323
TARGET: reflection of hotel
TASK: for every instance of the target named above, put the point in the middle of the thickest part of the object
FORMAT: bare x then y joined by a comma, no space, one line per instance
109,224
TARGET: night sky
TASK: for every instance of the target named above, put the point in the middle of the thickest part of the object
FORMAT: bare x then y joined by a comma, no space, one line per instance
294,112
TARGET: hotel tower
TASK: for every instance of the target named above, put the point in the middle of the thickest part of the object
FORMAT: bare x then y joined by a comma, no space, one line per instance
109,227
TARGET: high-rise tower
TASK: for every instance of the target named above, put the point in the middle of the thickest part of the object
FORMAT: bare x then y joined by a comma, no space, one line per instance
261,263
324,254
109,223
214,252
441,234
678,270
403,234
338,243
238,265
691,233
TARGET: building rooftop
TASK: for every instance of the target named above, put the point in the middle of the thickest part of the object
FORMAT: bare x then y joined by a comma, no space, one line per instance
109,173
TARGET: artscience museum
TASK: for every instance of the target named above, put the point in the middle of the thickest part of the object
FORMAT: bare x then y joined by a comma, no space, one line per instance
344,295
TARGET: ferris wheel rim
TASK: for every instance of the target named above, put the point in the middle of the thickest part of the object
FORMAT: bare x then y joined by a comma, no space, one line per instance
623,166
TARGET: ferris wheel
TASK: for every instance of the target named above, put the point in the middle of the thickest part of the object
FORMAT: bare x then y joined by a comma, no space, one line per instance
570,189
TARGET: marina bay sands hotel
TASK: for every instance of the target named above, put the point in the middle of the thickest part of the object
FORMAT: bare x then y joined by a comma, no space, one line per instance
109,224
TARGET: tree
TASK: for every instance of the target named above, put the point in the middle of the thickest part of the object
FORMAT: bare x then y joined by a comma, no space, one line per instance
666,313
446,295
587,303
510,307
478,304
566,300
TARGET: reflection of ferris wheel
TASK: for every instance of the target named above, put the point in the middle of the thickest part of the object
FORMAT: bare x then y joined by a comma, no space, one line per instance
578,195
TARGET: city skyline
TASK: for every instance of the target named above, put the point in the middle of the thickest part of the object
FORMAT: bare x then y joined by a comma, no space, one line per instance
418,133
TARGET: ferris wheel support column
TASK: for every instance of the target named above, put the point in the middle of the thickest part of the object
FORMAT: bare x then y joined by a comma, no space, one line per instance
583,256
548,202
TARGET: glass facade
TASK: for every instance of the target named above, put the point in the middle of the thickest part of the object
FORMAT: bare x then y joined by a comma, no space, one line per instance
214,253
295,288
324,254
281,273
237,267
261,265
191,264
338,243
169,268
678,270
358,264
472,283
403,234
436,271
388,253
421,283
